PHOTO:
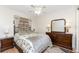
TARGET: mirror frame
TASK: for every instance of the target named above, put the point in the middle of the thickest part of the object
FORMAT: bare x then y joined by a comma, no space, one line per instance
59,20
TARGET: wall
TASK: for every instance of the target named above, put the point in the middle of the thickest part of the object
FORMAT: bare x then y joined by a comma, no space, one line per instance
6,20
77,30
44,20
67,13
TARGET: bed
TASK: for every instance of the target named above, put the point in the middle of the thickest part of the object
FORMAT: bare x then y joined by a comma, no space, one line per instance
29,41
33,42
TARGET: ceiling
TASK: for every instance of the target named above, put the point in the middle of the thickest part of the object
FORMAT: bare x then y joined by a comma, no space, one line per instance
29,9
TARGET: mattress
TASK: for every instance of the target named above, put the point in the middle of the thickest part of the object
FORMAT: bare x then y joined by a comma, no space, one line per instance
33,43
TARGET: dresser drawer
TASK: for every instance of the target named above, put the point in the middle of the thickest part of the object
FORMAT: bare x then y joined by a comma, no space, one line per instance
5,41
7,45
0,45
68,36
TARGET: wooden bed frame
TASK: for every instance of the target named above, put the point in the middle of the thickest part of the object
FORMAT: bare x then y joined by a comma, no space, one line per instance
19,49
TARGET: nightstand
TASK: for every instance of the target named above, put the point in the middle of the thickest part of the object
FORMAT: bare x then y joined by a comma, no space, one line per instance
6,43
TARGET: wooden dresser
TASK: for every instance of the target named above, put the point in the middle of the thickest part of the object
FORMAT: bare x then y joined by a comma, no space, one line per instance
61,39
0,45
6,43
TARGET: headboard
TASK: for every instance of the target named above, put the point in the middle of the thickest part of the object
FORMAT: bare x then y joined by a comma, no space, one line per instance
21,24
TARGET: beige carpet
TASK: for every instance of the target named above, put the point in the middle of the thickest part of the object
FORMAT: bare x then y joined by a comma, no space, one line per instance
12,50
55,49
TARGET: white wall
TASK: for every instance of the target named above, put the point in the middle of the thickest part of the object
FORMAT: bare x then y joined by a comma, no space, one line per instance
67,13
77,30
6,20
44,20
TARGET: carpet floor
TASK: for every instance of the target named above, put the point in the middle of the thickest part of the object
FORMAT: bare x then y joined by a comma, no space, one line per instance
54,49
12,50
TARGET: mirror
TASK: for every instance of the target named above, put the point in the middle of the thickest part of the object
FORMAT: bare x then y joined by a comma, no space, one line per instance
58,25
